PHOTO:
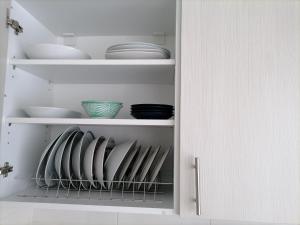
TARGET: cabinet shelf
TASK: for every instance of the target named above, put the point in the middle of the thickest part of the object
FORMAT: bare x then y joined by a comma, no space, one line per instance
108,122
158,71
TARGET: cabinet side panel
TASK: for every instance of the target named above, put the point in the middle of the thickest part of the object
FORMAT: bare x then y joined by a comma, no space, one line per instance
240,109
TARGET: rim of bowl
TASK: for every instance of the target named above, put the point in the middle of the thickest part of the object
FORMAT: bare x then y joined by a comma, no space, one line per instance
96,101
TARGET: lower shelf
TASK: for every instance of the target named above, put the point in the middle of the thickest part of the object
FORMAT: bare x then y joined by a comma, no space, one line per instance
91,201
118,198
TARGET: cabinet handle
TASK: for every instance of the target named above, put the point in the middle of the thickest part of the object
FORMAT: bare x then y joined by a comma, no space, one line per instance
197,180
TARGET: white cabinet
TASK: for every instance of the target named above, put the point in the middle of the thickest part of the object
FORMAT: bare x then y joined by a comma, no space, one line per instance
240,109
233,78
95,25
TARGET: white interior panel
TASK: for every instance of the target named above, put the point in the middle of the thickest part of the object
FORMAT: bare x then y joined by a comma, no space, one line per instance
101,17
97,45
31,90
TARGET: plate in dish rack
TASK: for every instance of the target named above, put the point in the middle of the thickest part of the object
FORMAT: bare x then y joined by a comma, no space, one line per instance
66,162
125,164
58,158
40,172
50,174
156,166
137,164
115,159
100,153
77,158
148,162
88,159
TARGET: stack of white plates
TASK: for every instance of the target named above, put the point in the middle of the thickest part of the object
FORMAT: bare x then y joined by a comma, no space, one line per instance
137,50
79,160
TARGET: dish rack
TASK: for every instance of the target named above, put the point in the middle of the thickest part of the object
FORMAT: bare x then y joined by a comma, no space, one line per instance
118,190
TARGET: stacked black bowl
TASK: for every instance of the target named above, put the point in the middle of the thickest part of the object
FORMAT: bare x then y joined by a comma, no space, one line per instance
152,111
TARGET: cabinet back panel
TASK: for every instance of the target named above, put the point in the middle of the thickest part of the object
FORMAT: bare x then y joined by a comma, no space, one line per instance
97,45
71,95
114,17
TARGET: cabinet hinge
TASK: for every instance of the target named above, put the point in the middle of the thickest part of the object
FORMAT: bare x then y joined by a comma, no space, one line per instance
14,24
4,170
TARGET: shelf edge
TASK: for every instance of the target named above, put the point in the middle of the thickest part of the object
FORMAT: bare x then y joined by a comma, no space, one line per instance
107,122
95,62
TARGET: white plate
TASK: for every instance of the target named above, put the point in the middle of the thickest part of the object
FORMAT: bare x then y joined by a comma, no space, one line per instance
138,45
156,166
67,158
125,164
141,156
139,48
133,45
130,48
50,173
115,159
136,55
151,155
50,112
54,51
88,159
99,159
40,172
77,157
59,156
166,55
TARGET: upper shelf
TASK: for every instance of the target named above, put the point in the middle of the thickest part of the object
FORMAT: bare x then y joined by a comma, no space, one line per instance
160,71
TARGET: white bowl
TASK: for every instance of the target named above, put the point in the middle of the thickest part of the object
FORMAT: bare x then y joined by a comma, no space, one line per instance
50,112
54,51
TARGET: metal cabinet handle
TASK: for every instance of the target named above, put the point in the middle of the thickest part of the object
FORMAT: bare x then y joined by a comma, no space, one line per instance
197,181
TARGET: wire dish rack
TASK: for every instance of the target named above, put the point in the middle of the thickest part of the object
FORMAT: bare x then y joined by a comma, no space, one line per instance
118,190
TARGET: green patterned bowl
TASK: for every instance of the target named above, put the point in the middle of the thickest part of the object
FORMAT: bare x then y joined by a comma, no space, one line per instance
101,109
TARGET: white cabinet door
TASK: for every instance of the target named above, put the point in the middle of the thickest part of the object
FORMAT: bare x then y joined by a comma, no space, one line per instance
240,109
4,5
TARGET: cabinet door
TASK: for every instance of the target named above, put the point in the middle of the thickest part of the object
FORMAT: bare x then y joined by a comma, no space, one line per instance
4,5
240,109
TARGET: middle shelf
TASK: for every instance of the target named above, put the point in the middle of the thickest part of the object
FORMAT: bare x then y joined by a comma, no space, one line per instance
86,121
154,71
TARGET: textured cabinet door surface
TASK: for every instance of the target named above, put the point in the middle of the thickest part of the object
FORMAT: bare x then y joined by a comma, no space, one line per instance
240,109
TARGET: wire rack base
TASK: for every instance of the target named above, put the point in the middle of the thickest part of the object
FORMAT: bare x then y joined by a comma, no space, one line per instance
125,191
